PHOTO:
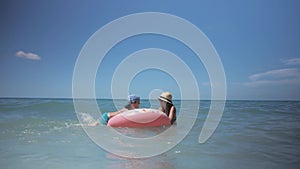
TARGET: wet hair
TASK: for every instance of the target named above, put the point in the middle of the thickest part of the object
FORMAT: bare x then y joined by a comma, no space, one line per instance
128,106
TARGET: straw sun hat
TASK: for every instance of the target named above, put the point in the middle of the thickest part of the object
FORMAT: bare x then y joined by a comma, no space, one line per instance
166,96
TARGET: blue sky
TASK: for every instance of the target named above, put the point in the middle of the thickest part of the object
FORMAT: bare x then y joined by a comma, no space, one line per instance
257,41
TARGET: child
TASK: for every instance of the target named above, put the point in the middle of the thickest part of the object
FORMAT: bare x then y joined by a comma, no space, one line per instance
134,103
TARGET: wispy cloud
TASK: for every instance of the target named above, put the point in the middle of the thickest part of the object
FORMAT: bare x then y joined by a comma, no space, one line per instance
292,62
276,74
275,77
30,56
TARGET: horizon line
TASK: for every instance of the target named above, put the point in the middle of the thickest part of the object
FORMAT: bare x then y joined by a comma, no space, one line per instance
56,98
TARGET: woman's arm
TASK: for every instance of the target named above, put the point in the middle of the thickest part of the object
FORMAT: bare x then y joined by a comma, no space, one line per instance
172,113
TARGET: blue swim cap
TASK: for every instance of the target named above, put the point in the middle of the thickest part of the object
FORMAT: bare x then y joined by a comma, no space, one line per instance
133,98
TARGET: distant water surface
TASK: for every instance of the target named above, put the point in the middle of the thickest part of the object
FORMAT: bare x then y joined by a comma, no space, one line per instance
45,133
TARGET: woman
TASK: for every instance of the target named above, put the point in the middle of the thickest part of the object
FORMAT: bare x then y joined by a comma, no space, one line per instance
166,106
134,103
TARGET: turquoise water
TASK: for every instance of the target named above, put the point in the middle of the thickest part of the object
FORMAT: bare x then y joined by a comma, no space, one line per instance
45,133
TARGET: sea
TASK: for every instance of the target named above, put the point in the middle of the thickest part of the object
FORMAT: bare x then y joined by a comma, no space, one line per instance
48,133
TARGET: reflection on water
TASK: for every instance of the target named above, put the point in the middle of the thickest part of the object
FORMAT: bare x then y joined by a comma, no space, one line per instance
146,163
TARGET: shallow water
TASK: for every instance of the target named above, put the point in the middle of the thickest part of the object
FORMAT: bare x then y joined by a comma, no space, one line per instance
45,133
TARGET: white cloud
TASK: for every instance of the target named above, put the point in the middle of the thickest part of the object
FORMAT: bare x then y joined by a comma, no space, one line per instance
275,77
276,74
30,56
284,76
293,61
295,81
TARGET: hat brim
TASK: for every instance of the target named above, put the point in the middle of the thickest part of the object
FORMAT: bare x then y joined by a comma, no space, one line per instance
164,99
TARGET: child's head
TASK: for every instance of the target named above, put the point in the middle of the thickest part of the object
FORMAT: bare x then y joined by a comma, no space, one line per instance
134,101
